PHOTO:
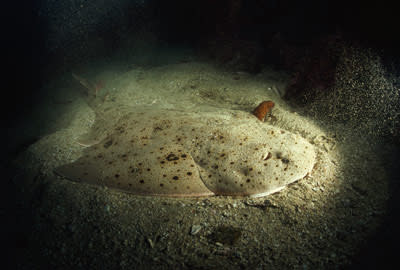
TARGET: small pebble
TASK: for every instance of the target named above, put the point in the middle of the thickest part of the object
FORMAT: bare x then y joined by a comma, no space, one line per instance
225,214
150,242
195,229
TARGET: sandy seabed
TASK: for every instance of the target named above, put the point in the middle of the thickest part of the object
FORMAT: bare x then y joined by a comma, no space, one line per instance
319,222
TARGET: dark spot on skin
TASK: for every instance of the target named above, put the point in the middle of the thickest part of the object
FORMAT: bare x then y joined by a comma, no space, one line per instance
141,181
110,162
248,180
285,160
172,157
175,162
117,175
222,155
276,178
187,187
183,156
162,162
240,143
189,173
164,175
130,184
161,185
100,156
108,144
175,177
191,165
272,132
161,148
140,164
232,162
148,169
209,175
215,166
278,155
241,185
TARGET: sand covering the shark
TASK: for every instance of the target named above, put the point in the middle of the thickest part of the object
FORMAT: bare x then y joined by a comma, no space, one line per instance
182,153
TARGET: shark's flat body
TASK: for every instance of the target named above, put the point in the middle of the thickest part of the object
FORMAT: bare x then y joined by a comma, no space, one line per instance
184,154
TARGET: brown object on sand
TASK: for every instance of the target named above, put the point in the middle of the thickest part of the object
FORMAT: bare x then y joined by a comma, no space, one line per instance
261,111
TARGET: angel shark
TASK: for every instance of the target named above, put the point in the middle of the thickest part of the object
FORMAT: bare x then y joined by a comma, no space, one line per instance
186,154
